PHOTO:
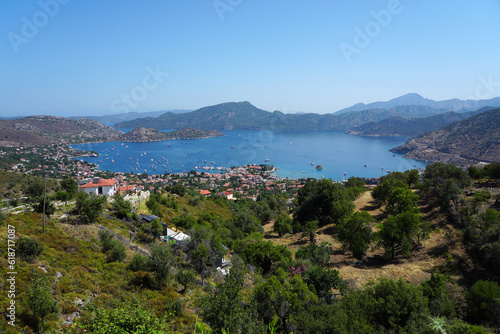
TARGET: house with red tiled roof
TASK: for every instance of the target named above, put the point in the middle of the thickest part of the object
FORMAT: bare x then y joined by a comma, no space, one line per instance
99,186
227,195
205,192
126,189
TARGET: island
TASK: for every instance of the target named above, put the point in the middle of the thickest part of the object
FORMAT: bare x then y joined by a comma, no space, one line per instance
142,134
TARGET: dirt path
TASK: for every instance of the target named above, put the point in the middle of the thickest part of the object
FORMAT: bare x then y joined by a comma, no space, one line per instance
366,203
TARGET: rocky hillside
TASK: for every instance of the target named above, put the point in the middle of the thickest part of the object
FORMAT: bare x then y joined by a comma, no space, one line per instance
400,127
142,134
50,129
471,140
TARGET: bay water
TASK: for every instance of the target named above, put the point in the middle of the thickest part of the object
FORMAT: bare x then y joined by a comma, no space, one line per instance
295,154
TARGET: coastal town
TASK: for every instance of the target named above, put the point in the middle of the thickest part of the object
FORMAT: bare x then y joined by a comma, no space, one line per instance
58,161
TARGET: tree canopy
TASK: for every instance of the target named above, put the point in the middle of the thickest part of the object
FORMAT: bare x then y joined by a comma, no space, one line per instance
324,201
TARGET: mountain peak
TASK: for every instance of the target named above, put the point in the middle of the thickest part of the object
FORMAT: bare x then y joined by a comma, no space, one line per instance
414,99
410,99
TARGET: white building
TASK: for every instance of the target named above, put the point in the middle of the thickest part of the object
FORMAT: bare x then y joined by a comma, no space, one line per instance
100,186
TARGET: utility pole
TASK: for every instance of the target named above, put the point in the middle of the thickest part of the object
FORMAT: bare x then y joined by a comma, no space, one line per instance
44,193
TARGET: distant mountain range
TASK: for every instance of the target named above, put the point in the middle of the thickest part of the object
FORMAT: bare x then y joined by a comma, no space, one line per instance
417,100
115,118
474,139
441,130
243,115
399,127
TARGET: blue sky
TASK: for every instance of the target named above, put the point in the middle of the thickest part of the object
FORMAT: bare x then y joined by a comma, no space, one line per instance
74,57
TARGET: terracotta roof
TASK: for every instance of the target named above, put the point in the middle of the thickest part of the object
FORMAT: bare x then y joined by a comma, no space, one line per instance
101,183
123,189
205,192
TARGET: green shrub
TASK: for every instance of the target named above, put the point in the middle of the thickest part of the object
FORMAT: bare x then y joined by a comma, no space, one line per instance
445,298
40,300
143,279
137,262
106,238
14,202
122,319
484,302
117,252
185,278
318,255
28,249
114,249
49,207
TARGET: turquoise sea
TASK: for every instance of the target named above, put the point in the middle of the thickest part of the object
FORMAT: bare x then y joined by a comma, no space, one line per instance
294,153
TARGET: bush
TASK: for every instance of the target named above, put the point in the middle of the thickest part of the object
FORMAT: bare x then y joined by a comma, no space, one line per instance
484,302
40,300
262,254
160,262
106,238
445,298
318,255
138,262
14,202
89,207
388,305
143,279
185,278
49,207
28,249
283,224
114,249
122,319
117,253
122,208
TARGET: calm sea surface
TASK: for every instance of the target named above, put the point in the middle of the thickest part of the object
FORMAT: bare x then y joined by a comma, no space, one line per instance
295,153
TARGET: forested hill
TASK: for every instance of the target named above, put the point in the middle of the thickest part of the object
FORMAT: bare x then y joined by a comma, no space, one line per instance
39,130
147,134
398,126
243,115
415,254
476,138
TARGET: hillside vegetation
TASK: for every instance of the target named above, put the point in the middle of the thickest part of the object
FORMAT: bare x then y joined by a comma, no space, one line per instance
149,134
473,139
400,127
245,116
302,261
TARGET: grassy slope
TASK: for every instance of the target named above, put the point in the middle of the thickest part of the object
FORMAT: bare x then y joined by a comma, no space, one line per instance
74,252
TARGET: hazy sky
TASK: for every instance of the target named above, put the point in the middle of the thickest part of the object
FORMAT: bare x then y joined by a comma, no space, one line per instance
77,57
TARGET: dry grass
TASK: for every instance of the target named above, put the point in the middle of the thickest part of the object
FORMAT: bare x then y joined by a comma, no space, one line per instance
414,269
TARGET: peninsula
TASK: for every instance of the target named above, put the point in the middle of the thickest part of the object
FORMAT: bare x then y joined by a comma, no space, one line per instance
142,134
